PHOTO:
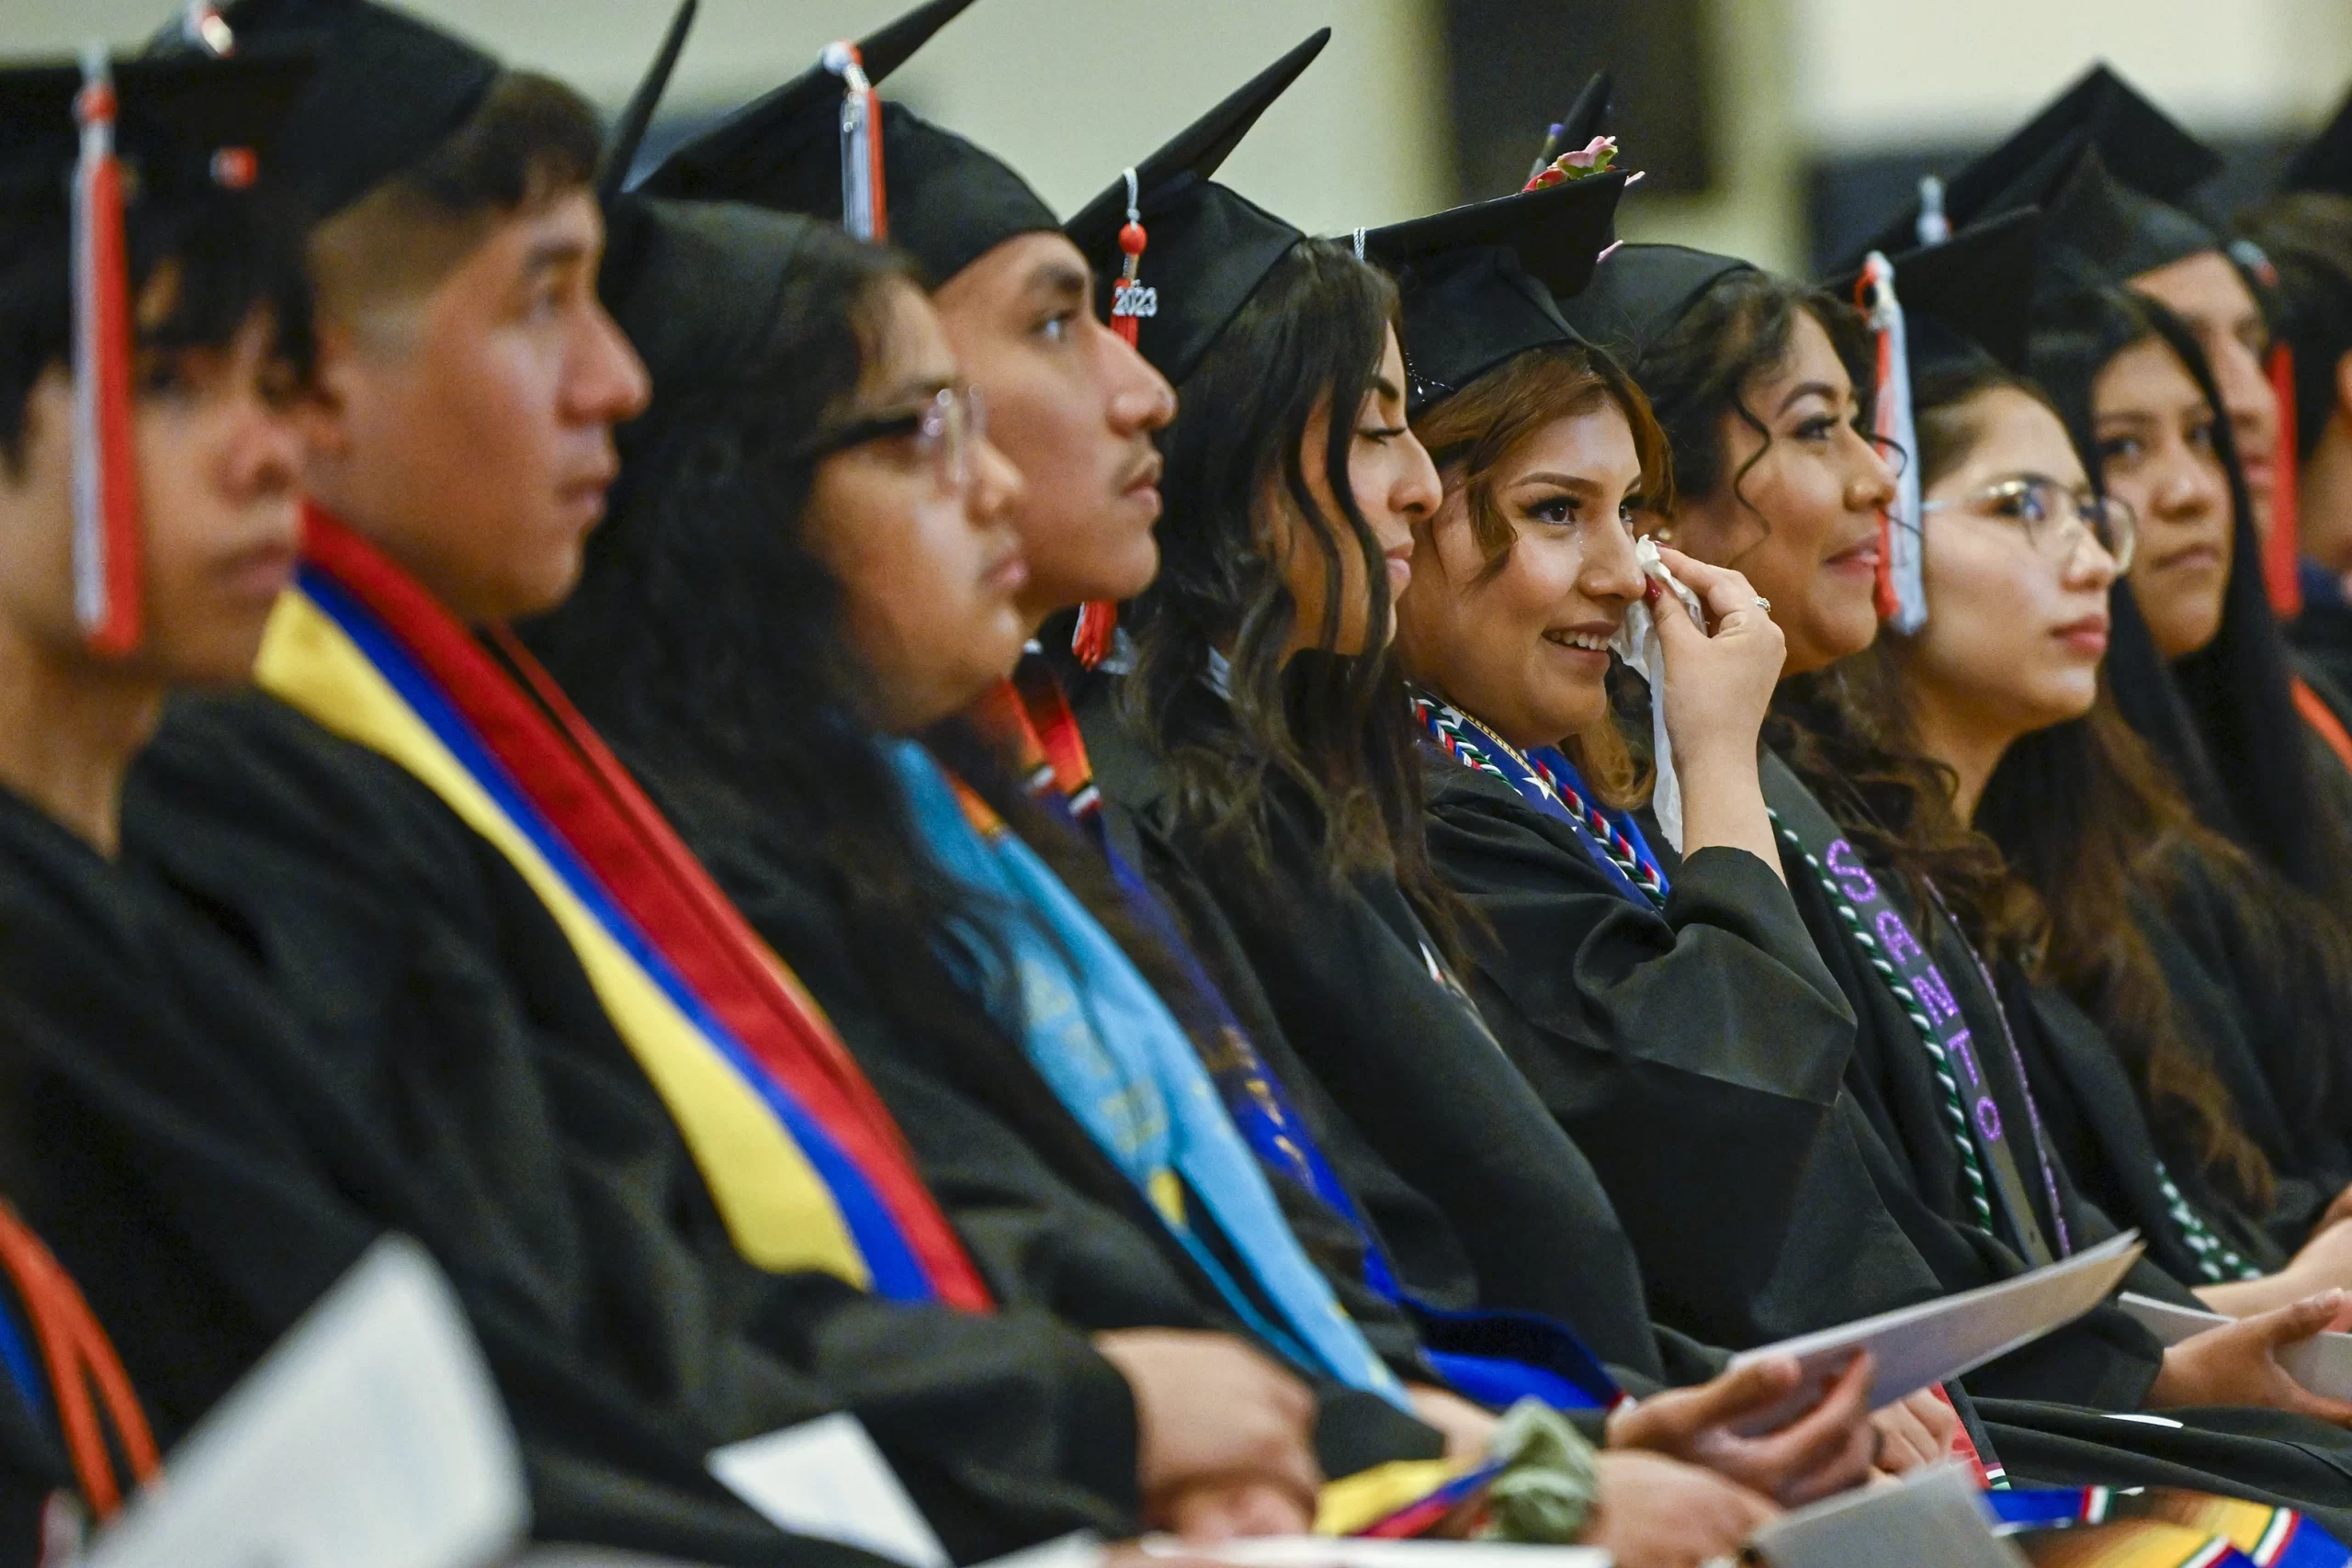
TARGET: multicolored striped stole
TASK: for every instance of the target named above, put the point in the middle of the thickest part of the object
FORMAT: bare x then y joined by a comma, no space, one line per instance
2164,1526
805,1164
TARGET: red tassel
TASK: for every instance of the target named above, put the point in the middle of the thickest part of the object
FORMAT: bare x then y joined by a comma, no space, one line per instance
1130,301
2283,547
1883,598
105,475
1090,640
865,208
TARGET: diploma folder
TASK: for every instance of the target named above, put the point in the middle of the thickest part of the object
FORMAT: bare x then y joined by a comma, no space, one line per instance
1917,1346
371,1437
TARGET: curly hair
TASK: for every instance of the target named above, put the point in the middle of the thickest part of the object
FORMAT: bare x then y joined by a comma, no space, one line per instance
1699,372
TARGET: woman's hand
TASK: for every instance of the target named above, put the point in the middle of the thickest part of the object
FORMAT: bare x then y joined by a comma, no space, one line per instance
1655,1512
1915,1432
1717,684
1223,1437
2238,1364
1826,1450
2323,1264
1468,1427
1717,687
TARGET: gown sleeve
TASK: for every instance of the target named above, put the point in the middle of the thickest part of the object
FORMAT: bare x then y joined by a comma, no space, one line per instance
451,1067
1694,1053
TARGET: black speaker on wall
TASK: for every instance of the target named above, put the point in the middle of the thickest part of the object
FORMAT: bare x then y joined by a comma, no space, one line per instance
1513,67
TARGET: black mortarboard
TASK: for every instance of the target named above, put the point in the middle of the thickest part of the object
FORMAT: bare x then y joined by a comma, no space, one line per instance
695,285
949,203
158,131
1209,249
2327,163
1973,294
389,89
2121,231
1479,282
1639,292
637,114
2145,152
172,116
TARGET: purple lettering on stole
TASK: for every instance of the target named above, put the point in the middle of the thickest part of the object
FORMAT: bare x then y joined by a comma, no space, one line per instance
1895,937
1851,875
1988,1119
1931,989
1958,1045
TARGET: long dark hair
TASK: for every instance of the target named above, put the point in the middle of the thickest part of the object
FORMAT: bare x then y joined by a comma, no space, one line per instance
2224,718
1331,729
705,644
2086,818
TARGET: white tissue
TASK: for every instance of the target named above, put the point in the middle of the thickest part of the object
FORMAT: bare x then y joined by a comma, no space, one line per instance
1638,644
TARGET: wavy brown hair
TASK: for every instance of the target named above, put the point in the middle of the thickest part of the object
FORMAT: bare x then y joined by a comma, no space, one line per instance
1472,437
1331,730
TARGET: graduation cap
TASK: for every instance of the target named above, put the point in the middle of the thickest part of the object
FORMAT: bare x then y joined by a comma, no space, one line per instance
1973,294
389,89
2121,231
1588,116
1932,307
1637,293
948,203
1209,248
695,285
2327,163
637,115
1479,283
2144,153
78,145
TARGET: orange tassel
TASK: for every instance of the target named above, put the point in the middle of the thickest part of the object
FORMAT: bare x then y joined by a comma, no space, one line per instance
1091,638
79,1357
1130,301
105,475
865,208
2283,547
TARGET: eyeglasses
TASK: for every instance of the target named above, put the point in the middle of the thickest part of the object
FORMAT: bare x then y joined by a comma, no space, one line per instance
947,429
2055,519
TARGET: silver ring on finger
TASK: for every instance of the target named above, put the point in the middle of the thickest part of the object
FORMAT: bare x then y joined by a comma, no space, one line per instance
1763,604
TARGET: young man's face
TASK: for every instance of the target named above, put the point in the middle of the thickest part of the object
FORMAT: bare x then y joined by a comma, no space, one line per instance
469,432
1074,408
219,460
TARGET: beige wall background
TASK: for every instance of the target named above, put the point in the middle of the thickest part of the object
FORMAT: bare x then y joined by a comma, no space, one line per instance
1069,90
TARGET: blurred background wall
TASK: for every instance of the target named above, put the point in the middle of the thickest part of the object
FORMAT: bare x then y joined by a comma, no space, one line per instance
1777,129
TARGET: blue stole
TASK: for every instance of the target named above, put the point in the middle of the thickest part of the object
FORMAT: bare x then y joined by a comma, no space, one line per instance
1123,1066
1494,1357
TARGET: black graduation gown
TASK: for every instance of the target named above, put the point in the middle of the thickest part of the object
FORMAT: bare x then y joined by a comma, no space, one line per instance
32,1469
2260,1035
1052,1224
2049,1405
1346,971
2099,1126
449,1072
1696,1054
